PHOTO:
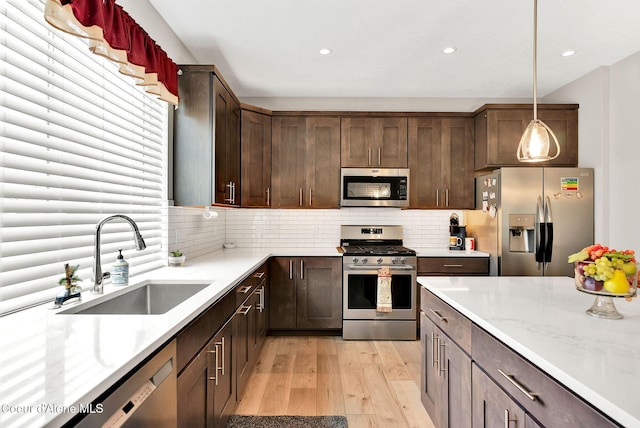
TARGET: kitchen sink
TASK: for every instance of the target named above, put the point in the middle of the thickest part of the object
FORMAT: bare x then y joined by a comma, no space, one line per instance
146,298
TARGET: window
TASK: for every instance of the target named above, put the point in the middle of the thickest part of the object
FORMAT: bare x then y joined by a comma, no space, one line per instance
78,142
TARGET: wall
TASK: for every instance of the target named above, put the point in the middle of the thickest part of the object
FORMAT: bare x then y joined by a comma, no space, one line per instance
267,228
608,117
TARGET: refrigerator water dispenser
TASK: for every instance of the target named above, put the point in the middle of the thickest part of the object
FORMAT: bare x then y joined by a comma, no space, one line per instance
521,233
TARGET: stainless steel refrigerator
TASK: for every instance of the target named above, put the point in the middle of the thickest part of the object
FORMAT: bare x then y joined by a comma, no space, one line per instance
531,219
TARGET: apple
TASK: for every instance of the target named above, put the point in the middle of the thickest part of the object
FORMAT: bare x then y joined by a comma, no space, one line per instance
591,284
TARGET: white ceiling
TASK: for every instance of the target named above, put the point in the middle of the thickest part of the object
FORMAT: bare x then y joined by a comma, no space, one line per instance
384,48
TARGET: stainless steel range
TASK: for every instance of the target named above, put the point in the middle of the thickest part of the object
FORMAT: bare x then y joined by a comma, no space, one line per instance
367,249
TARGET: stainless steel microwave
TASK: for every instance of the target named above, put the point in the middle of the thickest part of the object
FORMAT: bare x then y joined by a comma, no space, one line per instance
374,187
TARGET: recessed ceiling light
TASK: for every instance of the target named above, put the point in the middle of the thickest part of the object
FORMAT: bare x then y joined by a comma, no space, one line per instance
325,51
568,53
448,50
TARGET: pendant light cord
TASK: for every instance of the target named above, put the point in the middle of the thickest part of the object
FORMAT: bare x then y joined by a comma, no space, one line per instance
535,59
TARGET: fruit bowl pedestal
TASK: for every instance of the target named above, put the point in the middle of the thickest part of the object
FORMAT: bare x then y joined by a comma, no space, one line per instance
603,307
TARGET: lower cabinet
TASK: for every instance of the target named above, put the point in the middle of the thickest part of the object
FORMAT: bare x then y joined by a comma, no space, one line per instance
492,407
453,266
205,386
446,378
212,382
469,378
305,293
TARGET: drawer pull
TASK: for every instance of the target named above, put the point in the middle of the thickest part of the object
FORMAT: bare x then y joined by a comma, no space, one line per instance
244,289
530,395
244,310
259,275
438,315
453,266
508,419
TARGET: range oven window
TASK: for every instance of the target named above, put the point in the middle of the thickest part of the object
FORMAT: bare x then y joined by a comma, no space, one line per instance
363,291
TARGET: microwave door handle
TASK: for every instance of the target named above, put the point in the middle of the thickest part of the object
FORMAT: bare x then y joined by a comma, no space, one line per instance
369,155
379,156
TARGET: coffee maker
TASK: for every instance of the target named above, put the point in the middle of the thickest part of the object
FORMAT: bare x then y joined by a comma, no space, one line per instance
457,234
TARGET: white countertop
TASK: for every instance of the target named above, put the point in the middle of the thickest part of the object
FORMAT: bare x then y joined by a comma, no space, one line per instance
61,361
544,320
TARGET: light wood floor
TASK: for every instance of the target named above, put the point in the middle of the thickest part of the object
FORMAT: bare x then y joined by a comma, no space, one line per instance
373,383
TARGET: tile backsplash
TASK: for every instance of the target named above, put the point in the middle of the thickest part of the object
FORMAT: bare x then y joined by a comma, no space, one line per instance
264,228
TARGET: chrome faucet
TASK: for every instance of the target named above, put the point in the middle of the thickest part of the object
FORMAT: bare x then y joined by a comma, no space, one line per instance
98,276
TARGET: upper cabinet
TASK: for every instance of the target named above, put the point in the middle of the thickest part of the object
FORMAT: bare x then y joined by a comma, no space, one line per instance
498,128
305,164
206,139
374,142
441,162
255,142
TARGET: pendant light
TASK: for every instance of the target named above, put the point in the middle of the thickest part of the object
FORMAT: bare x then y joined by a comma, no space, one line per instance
534,143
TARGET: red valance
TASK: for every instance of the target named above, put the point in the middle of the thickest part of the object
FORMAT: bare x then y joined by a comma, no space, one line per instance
114,34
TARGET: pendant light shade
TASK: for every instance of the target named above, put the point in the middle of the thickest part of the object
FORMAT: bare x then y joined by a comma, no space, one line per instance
535,141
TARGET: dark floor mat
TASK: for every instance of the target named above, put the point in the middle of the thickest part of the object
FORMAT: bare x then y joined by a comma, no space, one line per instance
237,421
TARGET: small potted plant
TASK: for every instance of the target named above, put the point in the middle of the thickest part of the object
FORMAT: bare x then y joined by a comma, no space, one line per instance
176,258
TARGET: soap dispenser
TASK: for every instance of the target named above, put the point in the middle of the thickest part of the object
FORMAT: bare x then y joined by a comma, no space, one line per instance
120,271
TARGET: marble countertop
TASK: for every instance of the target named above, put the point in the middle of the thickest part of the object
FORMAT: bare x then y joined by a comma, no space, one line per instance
544,320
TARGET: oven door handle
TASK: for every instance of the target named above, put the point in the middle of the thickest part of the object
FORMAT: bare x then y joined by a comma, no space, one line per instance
391,268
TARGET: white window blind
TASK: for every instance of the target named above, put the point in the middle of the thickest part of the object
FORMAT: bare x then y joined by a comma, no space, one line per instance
78,142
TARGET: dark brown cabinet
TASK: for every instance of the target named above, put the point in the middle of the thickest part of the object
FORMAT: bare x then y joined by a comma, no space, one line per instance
374,142
205,387
206,139
453,266
446,367
250,326
492,407
255,142
305,164
440,152
227,145
305,293
214,368
498,128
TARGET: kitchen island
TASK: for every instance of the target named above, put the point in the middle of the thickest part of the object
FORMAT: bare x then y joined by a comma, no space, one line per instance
544,321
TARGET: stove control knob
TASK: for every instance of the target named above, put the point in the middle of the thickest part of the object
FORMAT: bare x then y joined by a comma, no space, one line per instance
403,260
355,260
394,260
365,260
379,260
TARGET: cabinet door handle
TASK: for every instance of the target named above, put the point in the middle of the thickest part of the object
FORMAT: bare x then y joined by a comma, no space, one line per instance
233,197
260,306
301,196
268,196
290,268
442,370
221,368
511,378
230,198
434,346
215,367
379,156
259,275
437,197
244,289
309,196
438,315
301,268
446,197
508,419
244,310
369,155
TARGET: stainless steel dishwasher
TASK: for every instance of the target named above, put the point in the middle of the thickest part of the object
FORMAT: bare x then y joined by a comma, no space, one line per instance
146,399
